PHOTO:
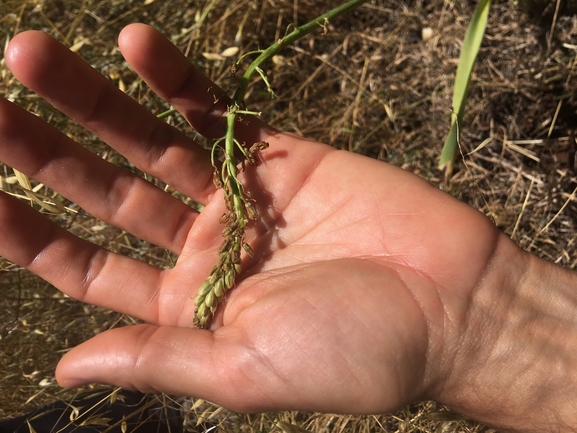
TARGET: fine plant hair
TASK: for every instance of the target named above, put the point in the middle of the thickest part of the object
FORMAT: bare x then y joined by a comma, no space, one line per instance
241,207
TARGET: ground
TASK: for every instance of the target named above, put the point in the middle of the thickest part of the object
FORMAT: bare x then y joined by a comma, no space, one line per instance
378,83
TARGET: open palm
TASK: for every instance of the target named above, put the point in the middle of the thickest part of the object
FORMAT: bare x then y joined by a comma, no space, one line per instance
362,275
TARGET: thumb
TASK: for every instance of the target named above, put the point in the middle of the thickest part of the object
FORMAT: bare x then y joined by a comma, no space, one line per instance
177,361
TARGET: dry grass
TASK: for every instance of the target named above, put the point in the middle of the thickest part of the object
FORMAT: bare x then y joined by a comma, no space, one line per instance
372,86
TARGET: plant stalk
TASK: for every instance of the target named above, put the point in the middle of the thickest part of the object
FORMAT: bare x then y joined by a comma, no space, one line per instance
241,207
295,35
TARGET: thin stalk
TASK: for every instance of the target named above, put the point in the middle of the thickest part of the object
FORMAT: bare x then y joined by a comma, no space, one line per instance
295,35
240,206
235,188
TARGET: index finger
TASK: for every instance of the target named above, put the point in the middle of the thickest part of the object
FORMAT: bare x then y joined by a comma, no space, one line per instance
166,70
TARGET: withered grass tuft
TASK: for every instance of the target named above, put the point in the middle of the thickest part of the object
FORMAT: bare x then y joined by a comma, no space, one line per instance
379,83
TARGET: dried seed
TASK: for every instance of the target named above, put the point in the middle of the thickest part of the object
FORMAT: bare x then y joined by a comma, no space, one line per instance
230,229
225,217
250,211
229,52
248,249
261,145
216,180
225,245
252,161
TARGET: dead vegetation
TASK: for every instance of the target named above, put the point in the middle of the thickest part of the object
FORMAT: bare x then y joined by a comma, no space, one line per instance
379,83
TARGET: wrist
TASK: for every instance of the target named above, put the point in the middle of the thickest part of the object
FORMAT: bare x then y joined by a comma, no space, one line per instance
515,363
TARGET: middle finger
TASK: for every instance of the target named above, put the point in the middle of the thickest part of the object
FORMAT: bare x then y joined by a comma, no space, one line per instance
107,192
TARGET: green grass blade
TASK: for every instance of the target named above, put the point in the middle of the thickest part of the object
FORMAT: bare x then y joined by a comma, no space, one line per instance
471,45
450,146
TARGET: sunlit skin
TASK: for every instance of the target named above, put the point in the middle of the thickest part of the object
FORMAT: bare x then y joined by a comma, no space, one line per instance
369,288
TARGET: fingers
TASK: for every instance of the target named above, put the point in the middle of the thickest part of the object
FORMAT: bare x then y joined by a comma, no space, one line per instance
177,81
327,349
173,77
104,190
79,91
77,267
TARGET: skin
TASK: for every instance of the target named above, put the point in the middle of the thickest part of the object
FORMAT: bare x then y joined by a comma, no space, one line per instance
370,289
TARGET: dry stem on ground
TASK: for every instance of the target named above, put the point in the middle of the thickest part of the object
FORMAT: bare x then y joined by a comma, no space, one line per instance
374,86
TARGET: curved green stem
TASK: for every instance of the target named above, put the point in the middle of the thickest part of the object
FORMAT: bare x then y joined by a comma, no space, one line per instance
295,35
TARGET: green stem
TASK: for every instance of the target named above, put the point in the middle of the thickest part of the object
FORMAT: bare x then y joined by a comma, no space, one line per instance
229,149
240,208
296,34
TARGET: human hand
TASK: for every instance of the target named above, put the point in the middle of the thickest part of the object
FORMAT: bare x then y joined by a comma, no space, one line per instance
365,290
